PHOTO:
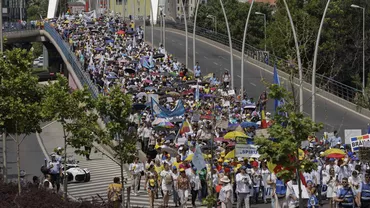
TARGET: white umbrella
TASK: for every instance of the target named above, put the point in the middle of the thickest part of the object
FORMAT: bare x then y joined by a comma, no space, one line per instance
158,121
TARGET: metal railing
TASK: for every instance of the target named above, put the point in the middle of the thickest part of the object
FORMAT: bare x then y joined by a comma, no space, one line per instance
324,83
72,59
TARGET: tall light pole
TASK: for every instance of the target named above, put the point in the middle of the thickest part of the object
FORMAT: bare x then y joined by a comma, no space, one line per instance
186,35
363,45
298,59
144,26
160,24
243,48
214,19
195,25
152,23
230,45
123,9
315,63
264,24
164,28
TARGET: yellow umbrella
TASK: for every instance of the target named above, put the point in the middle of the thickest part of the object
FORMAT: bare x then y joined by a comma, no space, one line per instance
334,151
190,157
230,155
235,134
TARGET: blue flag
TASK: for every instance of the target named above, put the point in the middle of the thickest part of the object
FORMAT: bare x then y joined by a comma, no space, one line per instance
276,81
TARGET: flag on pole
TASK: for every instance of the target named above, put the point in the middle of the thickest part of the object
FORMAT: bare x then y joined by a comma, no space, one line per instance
198,160
277,82
186,127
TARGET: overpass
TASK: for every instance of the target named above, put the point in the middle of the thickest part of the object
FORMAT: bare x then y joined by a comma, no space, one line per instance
335,112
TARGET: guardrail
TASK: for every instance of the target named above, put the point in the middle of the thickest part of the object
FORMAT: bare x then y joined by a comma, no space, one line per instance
72,59
325,83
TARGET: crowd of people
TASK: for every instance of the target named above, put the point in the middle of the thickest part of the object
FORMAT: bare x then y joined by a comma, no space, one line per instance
179,112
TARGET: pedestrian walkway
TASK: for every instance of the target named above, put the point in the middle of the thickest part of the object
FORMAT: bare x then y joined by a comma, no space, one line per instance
142,199
102,169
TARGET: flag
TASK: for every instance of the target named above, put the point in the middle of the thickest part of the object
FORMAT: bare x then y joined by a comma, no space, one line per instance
197,93
198,160
277,82
185,127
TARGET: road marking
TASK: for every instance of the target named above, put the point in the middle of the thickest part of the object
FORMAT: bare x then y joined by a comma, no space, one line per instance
226,69
215,63
172,40
307,89
180,44
197,52
205,57
253,84
239,76
222,57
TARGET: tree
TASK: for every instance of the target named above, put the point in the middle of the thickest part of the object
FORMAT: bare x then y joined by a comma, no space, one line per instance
290,128
117,108
37,9
20,97
74,110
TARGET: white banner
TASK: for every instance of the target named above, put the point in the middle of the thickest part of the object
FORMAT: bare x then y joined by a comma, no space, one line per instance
246,150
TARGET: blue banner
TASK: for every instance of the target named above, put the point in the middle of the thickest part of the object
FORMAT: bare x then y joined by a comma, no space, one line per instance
161,112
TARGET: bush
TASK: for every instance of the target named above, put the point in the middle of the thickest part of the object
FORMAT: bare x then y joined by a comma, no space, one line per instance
34,197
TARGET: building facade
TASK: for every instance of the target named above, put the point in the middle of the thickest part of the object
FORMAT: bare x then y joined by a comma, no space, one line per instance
133,8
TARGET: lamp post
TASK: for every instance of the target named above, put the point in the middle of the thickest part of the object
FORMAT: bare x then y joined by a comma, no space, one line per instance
144,26
160,24
299,62
195,25
164,30
363,45
152,23
186,35
214,19
315,63
264,24
230,45
243,48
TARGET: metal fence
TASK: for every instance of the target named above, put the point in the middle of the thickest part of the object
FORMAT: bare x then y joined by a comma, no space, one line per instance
325,83
72,59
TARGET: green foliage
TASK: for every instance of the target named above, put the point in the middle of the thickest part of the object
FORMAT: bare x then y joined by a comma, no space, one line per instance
20,94
340,50
74,110
37,49
36,8
210,200
288,132
117,107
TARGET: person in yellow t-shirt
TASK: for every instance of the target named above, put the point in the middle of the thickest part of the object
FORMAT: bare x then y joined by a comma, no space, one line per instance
177,162
158,167
115,192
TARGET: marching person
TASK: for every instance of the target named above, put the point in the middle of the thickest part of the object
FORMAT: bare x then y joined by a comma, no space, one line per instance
226,193
55,170
363,195
183,186
243,181
167,183
136,168
115,192
345,195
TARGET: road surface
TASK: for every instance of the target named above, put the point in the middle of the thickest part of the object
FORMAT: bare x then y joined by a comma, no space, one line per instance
213,58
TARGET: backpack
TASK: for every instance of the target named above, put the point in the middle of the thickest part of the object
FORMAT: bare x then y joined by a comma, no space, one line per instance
280,188
168,179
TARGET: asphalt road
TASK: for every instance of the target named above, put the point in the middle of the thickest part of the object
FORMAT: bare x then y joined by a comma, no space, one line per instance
213,59
31,157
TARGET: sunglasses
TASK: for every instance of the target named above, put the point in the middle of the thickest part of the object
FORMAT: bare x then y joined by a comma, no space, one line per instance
344,181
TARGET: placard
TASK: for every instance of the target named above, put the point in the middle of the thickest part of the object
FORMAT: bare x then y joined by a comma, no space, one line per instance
304,191
349,133
246,150
358,141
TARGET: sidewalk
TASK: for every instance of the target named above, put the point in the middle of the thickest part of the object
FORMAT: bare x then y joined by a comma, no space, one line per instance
102,169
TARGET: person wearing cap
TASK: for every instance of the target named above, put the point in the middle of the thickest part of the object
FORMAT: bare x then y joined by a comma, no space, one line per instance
183,186
55,170
195,184
256,179
136,168
330,181
226,193
335,140
151,186
243,182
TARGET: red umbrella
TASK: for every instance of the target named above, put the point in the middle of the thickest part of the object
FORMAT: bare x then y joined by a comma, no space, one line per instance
121,32
335,155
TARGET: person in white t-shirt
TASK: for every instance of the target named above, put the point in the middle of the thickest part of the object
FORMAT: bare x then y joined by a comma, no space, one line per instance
136,168
243,181
167,183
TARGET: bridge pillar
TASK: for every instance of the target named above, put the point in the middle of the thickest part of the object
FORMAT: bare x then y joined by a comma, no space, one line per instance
53,59
46,57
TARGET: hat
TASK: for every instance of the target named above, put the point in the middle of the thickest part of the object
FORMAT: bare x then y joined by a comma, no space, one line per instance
244,167
167,142
240,159
182,170
331,159
341,147
225,179
174,168
181,148
220,160
194,168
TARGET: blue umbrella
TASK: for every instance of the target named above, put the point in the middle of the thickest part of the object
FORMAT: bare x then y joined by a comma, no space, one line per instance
99,49
248,124
150,88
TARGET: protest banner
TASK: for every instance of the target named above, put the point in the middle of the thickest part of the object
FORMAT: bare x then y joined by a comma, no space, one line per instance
357,142
243,149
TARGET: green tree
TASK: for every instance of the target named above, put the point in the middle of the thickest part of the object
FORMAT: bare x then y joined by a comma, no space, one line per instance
20,97
289,130
120,132
74,110
37,9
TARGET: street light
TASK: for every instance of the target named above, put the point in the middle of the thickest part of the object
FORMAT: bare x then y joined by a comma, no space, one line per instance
214,19
230,45
313,84
186,35
195,25
264,19
363,45
243,48
299,65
